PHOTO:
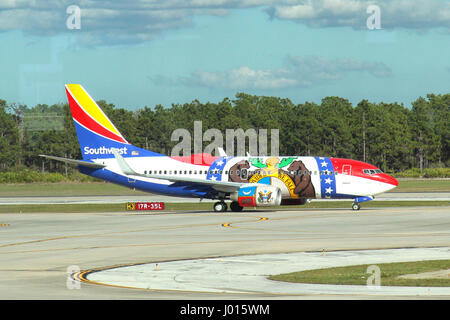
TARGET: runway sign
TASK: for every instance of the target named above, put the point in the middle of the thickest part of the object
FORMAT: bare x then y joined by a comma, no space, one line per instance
139,206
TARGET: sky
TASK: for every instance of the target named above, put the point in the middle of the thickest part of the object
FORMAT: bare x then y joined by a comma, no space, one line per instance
142,53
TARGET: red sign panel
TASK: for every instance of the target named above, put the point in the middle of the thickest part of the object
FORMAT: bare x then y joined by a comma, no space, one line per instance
145,206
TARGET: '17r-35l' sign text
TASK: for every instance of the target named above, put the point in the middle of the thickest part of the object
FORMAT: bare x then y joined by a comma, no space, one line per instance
136,206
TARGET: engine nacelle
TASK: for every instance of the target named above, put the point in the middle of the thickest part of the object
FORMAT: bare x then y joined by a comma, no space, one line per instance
257,196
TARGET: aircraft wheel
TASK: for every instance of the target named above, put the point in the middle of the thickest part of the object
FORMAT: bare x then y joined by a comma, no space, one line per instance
235,207
356,206
220,206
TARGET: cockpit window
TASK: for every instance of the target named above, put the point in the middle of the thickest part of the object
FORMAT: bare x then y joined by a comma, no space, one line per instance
372,171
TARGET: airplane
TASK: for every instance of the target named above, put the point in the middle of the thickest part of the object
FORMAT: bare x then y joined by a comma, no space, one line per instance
249,181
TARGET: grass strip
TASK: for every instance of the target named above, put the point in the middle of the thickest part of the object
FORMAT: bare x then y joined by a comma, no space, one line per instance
358,275
203,206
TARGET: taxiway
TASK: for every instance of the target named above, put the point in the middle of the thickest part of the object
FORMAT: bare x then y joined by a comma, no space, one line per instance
38,252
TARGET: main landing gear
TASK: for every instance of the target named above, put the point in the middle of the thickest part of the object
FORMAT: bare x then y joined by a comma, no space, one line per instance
356,206
221,206
235,207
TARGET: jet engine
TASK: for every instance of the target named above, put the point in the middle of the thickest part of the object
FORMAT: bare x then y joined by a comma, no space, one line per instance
257,196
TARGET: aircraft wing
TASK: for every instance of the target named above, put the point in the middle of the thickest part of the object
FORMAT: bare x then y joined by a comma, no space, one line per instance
73,161
222,186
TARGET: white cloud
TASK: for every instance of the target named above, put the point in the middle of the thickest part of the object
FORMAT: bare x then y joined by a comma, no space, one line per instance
297,72
116,22
410,14
317,68
243,78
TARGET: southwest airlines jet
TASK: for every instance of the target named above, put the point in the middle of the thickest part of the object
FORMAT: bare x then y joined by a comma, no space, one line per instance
245,181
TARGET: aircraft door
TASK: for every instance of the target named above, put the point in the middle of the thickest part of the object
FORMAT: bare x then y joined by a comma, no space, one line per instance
347,172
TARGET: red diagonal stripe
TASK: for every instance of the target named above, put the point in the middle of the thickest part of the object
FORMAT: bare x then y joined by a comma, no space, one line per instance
84,119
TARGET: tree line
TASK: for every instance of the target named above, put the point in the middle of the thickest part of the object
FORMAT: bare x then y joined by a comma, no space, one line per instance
388,135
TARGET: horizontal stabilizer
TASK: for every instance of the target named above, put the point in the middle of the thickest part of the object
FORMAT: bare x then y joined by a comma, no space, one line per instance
76,162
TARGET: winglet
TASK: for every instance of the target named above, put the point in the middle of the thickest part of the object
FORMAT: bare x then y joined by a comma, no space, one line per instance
124,166
222,152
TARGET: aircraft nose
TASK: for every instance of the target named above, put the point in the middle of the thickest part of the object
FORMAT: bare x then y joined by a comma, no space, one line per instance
389,182
388,179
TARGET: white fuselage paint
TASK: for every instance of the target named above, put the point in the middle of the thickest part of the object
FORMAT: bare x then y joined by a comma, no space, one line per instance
345,184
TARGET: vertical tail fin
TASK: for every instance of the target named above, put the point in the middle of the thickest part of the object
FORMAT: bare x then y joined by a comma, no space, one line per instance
97,135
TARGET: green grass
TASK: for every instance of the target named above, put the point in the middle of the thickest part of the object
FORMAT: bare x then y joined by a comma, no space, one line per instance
372,204
426,173
423,185
103,188
357,275
201,206
65,189
95,207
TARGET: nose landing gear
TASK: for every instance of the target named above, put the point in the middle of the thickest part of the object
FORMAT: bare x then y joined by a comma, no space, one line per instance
358,200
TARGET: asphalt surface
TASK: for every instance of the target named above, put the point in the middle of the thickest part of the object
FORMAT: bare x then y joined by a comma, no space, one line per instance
40,252
249,274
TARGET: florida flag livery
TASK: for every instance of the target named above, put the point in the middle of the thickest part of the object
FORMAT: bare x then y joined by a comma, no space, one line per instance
245,181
